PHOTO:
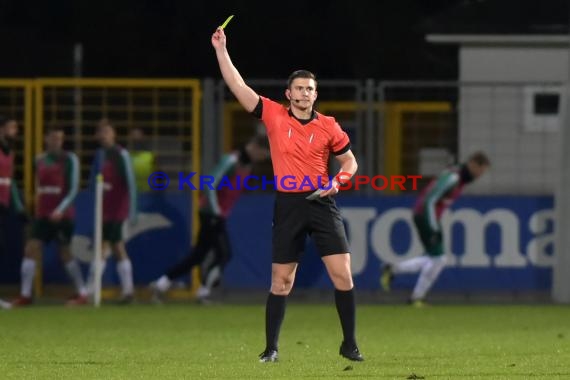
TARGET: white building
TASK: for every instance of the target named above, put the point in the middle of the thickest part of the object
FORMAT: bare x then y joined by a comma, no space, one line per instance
512,95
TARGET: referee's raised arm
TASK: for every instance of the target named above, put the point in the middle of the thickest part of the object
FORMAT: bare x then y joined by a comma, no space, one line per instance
244,94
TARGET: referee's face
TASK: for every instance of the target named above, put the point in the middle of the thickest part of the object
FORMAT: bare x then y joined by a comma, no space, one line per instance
302,93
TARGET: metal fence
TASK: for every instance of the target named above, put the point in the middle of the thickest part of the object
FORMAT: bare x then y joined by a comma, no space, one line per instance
395,127
418,128
167,111
516,124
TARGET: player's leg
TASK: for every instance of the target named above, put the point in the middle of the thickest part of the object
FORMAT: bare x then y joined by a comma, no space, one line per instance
124,265
435,260
389,271
431,270
412,265
107,234
3,228
428,238
327,230
213,269
429,274
63,238
32,253
205,242
41,231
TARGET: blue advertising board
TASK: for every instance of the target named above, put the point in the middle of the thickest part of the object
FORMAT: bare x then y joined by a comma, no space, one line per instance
493,243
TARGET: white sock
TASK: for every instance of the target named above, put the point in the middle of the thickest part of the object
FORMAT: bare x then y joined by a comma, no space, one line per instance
213,276
411,265
163,283
91,278
28,272
125,271
428,275
74,272
203,292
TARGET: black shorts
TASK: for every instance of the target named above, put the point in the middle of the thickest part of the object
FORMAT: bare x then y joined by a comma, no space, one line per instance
113,231
46,231
295,217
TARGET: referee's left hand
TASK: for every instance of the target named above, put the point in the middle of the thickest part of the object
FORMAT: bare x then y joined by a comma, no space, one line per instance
332,189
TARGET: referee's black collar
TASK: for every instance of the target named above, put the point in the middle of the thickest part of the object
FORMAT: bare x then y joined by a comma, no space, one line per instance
304,121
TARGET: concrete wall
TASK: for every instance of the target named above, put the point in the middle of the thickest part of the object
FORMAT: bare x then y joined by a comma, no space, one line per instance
495,117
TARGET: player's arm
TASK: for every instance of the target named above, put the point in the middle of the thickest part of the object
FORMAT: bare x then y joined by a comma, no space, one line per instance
129,174
72,177
244,94
446,181
15,199
226,164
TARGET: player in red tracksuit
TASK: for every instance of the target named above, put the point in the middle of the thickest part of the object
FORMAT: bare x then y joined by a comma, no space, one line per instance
9,195
57,183
119,203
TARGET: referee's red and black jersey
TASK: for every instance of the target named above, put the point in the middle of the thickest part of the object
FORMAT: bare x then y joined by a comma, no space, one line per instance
300,149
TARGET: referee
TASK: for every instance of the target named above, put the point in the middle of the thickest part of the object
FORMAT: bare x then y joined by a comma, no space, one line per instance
301,141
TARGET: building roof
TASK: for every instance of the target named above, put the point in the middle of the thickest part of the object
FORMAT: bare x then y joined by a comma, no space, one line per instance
501,17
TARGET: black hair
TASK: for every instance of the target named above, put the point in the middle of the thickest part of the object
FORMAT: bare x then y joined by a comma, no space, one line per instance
261,141
105,123
5,120
480,159
300,74
55,128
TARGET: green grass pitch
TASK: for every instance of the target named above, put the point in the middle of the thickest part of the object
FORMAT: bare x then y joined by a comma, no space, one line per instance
184,341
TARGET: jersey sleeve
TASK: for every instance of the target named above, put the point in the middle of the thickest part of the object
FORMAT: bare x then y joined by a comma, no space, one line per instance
271,112
226,165
129,175
258,110
339,142
72,178
16,200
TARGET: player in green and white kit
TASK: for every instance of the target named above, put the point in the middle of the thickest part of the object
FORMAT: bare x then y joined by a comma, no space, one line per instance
440,193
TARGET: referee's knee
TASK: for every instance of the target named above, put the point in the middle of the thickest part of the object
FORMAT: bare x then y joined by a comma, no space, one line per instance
342,280
281,287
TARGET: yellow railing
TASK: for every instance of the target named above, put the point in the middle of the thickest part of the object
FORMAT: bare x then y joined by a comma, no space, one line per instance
394,113
168,109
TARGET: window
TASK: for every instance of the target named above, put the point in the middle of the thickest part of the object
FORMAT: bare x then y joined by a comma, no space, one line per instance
543,108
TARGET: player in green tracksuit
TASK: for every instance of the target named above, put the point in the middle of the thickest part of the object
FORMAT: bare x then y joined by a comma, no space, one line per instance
440,193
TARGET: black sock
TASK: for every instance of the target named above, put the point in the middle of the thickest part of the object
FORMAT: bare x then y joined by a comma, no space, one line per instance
346,307
274,314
